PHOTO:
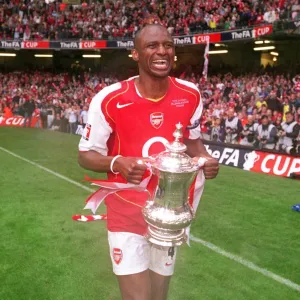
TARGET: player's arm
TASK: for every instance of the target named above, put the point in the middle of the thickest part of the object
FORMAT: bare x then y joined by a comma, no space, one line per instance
129,167
93,150
195,147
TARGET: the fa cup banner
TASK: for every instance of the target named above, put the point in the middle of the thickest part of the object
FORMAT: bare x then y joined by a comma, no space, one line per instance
253,160
17,121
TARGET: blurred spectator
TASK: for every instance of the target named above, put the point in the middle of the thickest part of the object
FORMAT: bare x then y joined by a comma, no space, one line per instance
217,131
266,134
249,131
50,114
56,124
73,118
288,134
83,116
16,110
233,127
7,111
29,107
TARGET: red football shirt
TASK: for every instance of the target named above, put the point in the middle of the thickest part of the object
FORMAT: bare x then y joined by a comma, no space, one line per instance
121,121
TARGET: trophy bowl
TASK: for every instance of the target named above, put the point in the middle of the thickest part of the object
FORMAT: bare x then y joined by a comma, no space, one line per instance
168,214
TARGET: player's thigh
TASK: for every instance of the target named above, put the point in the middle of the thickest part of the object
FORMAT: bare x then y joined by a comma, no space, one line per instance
162,260
129,252
162,264
130,255
159,286
135,286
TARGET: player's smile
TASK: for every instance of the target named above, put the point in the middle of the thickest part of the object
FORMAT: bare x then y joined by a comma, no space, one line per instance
160,64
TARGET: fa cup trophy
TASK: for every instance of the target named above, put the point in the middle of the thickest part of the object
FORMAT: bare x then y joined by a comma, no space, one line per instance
168,214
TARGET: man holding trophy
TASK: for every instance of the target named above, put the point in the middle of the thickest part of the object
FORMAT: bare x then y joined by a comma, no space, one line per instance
130,125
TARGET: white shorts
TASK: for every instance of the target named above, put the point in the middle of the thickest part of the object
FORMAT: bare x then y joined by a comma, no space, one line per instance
131,253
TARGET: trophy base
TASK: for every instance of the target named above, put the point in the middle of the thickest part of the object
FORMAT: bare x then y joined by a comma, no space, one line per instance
166,238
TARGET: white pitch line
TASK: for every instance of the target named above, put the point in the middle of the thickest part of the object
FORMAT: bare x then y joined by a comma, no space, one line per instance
48,170
247,264
211,246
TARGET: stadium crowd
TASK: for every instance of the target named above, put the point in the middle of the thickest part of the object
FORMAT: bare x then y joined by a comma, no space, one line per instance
38,20
253,110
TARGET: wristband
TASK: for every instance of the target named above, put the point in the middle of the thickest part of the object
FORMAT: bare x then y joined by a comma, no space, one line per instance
112,164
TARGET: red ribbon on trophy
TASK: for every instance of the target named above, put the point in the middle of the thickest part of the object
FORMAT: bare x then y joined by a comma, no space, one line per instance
108,187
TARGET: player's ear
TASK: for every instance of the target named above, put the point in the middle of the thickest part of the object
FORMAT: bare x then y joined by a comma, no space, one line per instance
135,55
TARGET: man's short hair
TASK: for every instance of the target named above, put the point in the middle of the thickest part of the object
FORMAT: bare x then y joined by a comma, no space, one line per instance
263,117
289,113
139,32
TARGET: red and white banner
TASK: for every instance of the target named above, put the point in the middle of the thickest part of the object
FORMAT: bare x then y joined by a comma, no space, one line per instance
254,160
272,163
209,37
17,121
93,44
35,45
206,58
262,30
108,187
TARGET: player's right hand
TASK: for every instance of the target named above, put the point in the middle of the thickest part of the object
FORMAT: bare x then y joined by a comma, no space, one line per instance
131,168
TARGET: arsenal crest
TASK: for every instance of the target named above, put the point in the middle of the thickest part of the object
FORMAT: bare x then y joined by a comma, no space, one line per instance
117,255
156,119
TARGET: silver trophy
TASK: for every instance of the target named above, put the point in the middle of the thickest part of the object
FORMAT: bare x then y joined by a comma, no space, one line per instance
169,213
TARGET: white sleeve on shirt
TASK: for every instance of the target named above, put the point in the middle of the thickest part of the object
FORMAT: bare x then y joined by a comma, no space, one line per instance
195,132
97,130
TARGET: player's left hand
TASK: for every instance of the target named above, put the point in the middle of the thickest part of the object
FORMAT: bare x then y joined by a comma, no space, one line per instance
210,168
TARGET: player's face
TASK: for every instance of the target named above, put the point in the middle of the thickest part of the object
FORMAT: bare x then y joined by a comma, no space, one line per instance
155,53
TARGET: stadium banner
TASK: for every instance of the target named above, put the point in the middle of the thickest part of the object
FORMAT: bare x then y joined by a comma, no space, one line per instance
227,155
262,30
273,163
196,39
64,45
93,44
10,44
249,159
244,34
128,44
203,38
35,45
120,44
183,40
17,121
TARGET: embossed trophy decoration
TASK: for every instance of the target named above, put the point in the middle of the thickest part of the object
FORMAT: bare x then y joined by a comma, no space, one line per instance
169,213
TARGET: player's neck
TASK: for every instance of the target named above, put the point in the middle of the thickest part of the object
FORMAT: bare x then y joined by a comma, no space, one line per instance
153,89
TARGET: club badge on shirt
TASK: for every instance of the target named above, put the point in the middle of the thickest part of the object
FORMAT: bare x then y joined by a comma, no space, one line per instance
156,119
87,132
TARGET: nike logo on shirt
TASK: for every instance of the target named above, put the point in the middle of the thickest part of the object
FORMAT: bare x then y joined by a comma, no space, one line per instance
123,105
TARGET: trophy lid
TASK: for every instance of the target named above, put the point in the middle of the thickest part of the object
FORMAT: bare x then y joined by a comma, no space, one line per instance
174,159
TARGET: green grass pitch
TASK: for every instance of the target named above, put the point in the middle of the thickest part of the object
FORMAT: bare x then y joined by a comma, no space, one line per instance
45,255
